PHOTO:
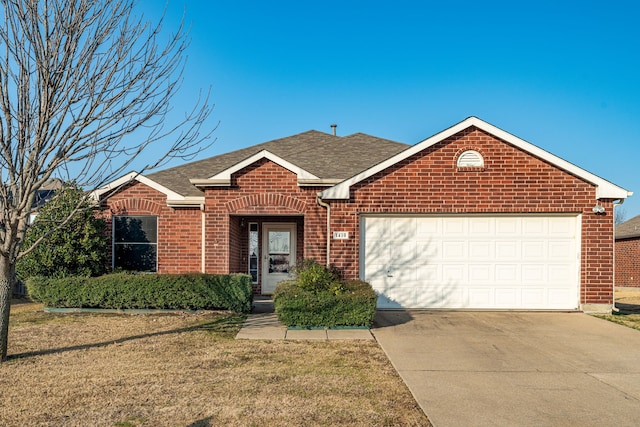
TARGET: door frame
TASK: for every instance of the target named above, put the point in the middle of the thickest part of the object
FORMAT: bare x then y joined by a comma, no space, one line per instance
268,280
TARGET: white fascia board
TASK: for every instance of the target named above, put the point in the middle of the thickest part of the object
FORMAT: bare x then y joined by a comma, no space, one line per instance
200,183
134,176
604,188
190,201
226,174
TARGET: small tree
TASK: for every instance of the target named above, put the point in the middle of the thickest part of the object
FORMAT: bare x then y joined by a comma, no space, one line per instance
73,239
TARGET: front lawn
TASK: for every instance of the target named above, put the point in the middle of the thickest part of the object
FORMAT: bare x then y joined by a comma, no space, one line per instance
188,370
628,304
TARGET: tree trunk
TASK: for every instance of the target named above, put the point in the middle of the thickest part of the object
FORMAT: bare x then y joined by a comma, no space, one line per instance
7,277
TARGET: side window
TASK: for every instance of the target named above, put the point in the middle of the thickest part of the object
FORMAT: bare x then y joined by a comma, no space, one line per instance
254,252
135,242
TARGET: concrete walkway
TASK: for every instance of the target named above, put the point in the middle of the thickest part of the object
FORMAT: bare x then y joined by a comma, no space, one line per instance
263,324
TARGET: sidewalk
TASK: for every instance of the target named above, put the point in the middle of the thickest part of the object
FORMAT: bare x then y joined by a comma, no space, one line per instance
263,324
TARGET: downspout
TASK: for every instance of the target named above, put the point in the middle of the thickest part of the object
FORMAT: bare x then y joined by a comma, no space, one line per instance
328,208
615,203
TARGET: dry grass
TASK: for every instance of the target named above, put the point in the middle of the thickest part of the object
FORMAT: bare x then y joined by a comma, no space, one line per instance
187,370
628,304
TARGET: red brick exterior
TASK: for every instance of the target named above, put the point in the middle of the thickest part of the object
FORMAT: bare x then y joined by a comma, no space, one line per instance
628,262
261,192
179,229
429,182
511,181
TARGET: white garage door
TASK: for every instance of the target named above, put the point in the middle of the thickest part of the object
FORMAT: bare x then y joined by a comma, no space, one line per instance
472,262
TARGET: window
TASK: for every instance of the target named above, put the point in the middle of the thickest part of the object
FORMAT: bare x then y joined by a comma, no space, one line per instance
470,159
135,243
254,253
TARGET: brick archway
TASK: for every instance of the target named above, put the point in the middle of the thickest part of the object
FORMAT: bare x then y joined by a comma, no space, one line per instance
266,203
135,205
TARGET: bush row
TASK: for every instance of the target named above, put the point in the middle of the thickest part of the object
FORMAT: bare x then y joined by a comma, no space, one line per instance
353,305
146,291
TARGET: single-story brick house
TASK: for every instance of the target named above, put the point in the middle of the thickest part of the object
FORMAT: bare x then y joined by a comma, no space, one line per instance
472,217
627,271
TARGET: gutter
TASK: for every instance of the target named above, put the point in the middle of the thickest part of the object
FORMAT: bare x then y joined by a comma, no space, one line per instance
615,203
326,206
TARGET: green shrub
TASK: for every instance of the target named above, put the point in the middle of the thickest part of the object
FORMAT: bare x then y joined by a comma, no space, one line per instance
354,305
315,277
72,248
146,291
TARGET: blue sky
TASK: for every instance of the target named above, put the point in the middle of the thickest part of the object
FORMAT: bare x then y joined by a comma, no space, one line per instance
564,76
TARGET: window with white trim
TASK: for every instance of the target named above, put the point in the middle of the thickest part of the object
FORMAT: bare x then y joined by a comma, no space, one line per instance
470,159
254,251
135,242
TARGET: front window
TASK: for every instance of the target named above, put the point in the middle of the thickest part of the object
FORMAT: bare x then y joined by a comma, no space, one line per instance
135,242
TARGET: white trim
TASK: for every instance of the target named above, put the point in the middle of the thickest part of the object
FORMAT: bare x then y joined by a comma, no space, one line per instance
189,201
203,242
224,177
173,199
604,188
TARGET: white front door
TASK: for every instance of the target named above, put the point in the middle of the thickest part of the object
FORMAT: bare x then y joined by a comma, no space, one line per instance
279,254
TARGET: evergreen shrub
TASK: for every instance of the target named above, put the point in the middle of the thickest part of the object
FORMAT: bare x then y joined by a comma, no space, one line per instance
145,291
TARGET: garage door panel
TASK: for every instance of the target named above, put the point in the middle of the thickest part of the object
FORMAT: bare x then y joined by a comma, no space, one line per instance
533,226
481,274
507,274
481,227
428,227
560,273
453,226
402,253
429,274
533,274
454,274
454,250
533,250
481,297
507,250
482,249
507,226
502,261
561,249
562,227
507,298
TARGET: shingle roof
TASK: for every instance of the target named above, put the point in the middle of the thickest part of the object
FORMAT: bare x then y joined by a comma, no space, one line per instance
628,229
325,156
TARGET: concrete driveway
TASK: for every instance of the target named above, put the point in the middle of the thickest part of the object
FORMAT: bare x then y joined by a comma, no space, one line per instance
515,368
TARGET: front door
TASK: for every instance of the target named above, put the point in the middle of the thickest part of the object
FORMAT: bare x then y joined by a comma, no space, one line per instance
279,254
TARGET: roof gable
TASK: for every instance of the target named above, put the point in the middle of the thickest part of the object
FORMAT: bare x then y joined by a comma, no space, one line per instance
173,198
604,189
321,159
223,178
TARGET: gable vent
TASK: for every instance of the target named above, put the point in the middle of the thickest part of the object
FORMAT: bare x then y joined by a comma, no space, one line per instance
470,159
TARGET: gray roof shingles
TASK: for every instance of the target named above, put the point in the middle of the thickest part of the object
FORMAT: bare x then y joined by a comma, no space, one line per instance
628,229
325,156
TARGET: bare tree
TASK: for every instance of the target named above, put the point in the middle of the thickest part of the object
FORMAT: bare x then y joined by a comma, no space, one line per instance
79,81
619,215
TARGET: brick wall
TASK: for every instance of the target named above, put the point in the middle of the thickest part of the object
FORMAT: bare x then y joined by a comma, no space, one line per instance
179,229
261,192
510,182
628,262
428,182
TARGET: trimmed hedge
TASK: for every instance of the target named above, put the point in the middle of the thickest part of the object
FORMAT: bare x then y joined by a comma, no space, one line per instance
354,306
146,291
